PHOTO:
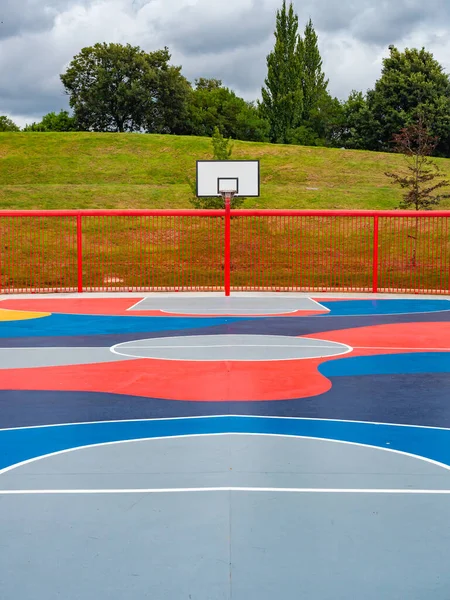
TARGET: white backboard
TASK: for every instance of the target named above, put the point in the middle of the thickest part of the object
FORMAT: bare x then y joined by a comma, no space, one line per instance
216,176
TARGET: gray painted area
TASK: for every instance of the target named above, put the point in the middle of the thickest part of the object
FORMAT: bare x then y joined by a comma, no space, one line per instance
231,460
114,547
25,358
228,460
233,305
230,347
221,545
218,546
224,545
340,547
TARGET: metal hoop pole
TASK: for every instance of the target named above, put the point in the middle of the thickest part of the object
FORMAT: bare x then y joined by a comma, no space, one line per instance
227,263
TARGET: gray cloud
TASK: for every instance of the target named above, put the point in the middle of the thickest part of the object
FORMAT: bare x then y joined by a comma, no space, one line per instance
195,29
211,38
21,17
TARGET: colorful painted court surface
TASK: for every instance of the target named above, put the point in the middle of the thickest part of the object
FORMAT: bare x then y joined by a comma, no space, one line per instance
203,447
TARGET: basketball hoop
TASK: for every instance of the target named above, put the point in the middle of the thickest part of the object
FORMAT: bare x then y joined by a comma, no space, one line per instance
227,179
227,196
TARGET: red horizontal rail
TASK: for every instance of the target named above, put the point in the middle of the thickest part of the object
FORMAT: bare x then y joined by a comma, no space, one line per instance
341,213
220,213
112,213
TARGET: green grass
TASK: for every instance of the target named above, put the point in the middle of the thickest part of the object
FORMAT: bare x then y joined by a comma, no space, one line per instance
87,170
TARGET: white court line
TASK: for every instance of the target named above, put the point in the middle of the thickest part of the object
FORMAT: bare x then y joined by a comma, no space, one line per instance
293,346
419,312
223,346
34,459
137,303
121,347
392,348
226,312
243,416
226,489
320,305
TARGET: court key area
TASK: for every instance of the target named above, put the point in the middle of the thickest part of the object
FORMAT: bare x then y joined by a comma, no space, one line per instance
197,446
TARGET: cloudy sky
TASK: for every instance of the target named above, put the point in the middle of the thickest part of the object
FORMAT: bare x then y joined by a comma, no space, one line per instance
226,39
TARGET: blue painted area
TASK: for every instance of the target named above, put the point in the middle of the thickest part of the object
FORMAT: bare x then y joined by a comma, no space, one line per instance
388,364
29,336
22,444
384,307
72,325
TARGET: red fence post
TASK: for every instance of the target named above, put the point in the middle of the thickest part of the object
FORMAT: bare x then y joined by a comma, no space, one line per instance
79,254
375,255
227,262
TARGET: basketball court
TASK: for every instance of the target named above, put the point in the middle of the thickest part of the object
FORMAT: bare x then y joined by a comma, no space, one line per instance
201,447
244,447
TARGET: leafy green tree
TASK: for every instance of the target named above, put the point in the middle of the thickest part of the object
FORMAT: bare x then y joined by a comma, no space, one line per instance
423,180
314,84
122,88
412,83
222,149
213,105
324,126
282,96
54,122
7,125
357,122
35,127
251,126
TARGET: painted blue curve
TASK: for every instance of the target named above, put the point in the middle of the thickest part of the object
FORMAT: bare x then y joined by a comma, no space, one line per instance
388,364
384,307
18,445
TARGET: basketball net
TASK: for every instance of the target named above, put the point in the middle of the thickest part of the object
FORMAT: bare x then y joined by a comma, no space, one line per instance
227,198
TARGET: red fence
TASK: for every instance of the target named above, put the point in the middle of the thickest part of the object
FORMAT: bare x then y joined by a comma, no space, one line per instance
242,250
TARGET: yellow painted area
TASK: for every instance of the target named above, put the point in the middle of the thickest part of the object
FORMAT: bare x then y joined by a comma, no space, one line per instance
20,315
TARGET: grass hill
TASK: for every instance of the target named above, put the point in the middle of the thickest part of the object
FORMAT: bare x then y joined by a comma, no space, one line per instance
88,170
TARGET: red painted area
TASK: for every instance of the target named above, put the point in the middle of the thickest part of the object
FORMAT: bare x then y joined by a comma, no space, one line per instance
115,307
401,337
83,306
196,381
180,380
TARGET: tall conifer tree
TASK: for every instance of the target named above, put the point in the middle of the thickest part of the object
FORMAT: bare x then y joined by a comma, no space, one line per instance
314,84
282,95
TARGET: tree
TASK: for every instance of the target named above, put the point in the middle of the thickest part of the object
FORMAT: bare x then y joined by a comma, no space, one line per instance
282,96
122,88
321,114
222,147
412,83
221,150
212,105
251,126
7,125
324,126
423,178
357,122
54,122
314,84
